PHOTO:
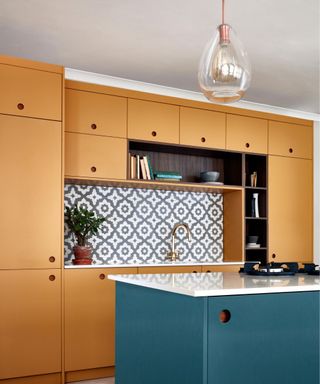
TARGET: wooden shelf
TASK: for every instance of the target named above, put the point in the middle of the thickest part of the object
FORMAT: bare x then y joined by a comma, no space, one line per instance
256,188
255,218
256,249
152,184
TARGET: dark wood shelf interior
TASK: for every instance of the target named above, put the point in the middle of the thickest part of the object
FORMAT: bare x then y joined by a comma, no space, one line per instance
258,164
190,162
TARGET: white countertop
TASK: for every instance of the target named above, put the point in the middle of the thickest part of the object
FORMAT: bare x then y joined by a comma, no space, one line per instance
222,283
162,264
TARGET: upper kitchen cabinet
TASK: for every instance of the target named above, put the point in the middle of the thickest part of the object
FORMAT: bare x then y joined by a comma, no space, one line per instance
287,139
152,121
31,192
96,113
290,209
247,134
202,128
30,92
89,156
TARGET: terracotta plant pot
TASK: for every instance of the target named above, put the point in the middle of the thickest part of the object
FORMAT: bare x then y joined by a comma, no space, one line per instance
82,255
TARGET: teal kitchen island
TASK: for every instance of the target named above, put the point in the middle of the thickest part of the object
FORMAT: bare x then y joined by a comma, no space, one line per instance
217,328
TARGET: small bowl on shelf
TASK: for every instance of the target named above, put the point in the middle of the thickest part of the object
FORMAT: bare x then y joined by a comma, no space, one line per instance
209,176
253,239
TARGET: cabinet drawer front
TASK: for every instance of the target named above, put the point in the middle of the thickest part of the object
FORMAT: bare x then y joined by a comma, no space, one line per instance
30,164
151,121
202,128
96,114
220,268
179,269
247,134
90,303
95,156
29,92
30,322
292,140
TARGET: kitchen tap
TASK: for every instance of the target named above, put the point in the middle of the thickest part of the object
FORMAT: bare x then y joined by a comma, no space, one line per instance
173,255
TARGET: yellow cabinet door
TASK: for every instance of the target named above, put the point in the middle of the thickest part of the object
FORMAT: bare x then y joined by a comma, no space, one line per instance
247,134
90,317
202,128
292,140
220,268
30,322
31,193
96,113
151,121
169,269
30,92
95,156
290,209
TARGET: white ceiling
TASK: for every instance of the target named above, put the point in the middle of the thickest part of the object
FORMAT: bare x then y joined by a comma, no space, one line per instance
161,41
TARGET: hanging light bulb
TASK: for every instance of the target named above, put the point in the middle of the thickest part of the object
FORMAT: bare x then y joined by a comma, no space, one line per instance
224,71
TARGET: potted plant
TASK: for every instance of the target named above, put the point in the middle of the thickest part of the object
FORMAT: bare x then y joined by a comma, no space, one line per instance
83,223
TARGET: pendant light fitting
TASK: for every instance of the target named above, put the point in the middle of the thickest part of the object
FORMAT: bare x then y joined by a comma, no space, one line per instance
224,71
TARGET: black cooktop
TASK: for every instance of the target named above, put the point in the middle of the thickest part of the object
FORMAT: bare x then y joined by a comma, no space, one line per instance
279,269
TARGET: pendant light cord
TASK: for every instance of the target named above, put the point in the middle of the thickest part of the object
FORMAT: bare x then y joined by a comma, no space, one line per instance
222,11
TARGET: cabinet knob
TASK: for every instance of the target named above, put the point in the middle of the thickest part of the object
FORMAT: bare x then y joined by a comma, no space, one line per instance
94,126
20,106
194,271
273,255
52,259
154,133
203,139
93,169
102,276
208,271
290,150
52,277
247,145
224,316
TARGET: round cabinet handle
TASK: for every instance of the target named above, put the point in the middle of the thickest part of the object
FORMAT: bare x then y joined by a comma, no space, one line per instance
154,133
290,150
224,316
273,255
94,126
208,271
93,169
194,271
20,106
52,277
203,139
52,259
247,145
102,276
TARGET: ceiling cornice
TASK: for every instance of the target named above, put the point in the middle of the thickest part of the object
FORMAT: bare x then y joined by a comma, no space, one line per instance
133,85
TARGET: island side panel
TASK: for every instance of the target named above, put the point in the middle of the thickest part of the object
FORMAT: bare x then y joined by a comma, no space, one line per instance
161,337
270,338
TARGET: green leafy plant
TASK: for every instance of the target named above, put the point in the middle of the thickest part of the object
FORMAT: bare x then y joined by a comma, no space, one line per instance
82,223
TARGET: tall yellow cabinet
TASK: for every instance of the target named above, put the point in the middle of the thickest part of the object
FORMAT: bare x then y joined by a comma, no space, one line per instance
31,217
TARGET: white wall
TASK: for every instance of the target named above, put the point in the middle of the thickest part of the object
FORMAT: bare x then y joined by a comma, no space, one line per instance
316,197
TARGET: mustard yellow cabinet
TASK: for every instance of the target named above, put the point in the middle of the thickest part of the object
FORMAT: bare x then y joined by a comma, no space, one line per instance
292,140
290,209
220,268
96,113
30,92
30,167
89,317
202,128
170,269
95,156
30,323
152,121
247,134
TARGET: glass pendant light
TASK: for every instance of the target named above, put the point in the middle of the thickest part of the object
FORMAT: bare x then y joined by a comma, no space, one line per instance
224,71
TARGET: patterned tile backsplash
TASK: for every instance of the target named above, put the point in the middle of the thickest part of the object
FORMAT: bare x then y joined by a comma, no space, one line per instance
139,224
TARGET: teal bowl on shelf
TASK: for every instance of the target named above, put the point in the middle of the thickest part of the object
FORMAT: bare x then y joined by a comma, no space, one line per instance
209,176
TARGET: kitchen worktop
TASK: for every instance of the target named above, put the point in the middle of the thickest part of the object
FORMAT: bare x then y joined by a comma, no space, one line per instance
222,283
137,265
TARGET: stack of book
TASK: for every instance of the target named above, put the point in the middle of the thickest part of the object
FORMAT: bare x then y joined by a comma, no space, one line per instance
167,176
140,167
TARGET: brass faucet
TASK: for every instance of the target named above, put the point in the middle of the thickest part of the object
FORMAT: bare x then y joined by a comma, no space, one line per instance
173,255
